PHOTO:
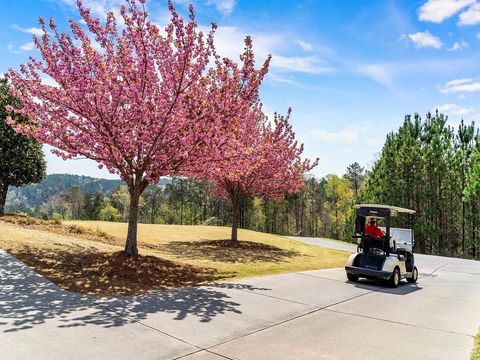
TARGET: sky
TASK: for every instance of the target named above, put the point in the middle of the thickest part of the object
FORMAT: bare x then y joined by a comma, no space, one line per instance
349,69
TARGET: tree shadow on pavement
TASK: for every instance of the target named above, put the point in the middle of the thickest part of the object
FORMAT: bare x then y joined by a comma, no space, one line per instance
28,300
226,251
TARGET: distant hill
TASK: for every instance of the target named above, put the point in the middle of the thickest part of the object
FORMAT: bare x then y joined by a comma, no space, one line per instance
34,195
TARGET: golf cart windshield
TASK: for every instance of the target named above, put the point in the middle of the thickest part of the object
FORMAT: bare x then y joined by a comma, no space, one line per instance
403,237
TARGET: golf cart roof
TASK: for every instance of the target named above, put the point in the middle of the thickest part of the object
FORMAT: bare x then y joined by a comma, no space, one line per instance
394,210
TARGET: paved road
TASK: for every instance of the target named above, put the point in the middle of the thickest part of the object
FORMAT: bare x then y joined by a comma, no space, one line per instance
305,315
327,243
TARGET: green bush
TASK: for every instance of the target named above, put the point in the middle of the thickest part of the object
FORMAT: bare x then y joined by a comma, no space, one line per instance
109,213
57,218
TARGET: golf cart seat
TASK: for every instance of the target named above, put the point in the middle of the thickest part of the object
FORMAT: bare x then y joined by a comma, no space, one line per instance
369,243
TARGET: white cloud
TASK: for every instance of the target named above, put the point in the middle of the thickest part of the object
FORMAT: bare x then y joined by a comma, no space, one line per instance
460,86
229,41
304,64
281,79
31,30
99,8
439,10
348,136
471,16
224,6
459,45
29,46
304,45
423,40
454,109
379,72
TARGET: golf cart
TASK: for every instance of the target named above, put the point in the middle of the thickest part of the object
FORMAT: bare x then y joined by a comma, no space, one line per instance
388,257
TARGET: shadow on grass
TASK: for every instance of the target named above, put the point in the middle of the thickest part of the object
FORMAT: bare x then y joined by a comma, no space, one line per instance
226,251
87,271
28,300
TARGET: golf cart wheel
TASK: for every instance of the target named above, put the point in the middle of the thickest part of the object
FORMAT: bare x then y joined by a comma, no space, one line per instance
394,279
414,277
352,277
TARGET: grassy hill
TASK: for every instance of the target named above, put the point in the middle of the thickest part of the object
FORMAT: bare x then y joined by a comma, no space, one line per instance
87,257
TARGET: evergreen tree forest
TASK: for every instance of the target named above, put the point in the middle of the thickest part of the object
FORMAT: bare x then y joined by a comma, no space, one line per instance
432,168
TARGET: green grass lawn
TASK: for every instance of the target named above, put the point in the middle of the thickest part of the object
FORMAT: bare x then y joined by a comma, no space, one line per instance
87,256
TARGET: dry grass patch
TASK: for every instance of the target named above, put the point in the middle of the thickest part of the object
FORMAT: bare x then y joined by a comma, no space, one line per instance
476,348
207,246
58,227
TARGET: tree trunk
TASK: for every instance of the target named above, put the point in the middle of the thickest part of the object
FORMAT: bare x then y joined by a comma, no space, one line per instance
152,213
235,217
3,196
131,243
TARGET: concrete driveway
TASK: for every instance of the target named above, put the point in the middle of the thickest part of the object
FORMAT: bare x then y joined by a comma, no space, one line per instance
306,315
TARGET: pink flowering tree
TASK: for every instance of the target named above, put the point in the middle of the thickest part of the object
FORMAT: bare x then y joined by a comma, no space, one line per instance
256,158
230,89
123,97
267,163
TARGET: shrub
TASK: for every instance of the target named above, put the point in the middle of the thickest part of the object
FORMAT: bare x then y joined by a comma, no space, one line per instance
109,213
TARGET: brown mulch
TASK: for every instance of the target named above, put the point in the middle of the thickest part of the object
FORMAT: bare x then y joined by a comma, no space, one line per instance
111,274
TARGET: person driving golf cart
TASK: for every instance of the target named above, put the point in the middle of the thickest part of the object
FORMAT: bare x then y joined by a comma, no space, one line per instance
373,230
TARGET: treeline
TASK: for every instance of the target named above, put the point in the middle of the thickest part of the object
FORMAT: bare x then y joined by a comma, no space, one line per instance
321,208
429,166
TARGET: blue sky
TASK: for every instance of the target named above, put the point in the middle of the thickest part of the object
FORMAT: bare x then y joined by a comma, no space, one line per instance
349,69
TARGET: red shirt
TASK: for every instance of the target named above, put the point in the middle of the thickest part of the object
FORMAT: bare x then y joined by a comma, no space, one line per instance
373,230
